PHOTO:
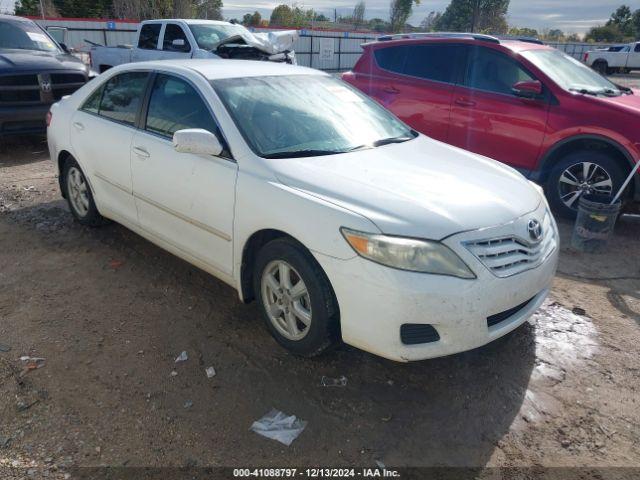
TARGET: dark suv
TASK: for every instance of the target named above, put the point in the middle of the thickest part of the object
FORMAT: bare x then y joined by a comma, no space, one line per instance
517,101
34,73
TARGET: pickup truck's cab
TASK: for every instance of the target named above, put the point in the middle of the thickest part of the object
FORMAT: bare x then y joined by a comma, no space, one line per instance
180,39
622,58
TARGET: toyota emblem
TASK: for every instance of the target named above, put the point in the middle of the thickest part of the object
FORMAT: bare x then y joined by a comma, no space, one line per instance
535,230
45,86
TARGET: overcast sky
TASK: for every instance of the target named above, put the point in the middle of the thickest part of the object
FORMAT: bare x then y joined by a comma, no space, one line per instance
567,15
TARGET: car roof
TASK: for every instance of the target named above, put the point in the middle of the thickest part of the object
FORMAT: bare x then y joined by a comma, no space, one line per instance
514,44
189,21
214,69
13,18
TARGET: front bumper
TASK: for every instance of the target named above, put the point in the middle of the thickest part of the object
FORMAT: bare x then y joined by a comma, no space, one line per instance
375,301
23,119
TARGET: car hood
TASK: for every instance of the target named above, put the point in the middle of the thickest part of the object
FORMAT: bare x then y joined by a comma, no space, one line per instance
268,42
421,188
29,60
629,102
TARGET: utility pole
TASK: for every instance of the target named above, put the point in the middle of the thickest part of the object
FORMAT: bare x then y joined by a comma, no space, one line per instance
42,9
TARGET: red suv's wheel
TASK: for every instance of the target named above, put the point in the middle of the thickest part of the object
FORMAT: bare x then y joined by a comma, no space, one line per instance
581,173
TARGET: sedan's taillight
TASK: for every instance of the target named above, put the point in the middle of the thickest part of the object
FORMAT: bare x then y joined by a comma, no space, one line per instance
49,117
586,57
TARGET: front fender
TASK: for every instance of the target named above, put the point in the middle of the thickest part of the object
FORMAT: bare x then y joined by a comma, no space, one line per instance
263,204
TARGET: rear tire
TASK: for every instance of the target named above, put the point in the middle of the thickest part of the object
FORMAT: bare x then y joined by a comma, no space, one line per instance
79,196
581,172
601,66
307,324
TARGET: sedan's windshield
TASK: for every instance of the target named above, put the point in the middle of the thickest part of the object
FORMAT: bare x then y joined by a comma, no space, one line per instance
209,35
307,115
22,35
570,74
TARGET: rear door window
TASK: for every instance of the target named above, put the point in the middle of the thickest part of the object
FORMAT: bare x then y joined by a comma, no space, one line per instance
173,32
149,35
122,97
432,62
435,62
493,71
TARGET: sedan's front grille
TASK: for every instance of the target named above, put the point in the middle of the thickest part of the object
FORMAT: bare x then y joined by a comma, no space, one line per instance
38,88
510,255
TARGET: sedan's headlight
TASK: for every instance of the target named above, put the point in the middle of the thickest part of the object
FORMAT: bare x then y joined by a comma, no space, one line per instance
425,256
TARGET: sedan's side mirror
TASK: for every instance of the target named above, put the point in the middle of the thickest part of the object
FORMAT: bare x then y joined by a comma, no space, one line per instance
528,89
64,47
198,141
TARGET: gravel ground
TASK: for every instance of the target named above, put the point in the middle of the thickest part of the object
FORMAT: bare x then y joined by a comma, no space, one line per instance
109,312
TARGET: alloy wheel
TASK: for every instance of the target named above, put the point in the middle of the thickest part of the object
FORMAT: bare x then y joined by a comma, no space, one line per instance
78,191
583,178
286,300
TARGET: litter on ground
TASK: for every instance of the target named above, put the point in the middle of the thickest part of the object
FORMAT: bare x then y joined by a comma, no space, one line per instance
279,426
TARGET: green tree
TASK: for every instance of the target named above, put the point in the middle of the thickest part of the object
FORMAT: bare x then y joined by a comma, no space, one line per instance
488,16
209,9
252,20
623,19
554,35
282,16
523,32
27,7
358,14
636,24
400,11
429,22
379,25
606,34
83,8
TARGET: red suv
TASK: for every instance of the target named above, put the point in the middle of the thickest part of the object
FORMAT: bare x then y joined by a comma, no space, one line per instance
523,103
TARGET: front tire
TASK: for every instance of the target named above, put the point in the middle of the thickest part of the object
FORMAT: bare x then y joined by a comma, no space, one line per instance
580,173
297,302
79,196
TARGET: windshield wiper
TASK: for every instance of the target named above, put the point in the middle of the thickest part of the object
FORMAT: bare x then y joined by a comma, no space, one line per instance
608,92
382,141
387,141
301,153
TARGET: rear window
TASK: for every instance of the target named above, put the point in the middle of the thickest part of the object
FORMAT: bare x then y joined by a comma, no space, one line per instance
429,62
391,58
149,34
122,97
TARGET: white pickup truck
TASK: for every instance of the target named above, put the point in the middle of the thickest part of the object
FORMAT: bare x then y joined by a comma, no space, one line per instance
164,39
621,58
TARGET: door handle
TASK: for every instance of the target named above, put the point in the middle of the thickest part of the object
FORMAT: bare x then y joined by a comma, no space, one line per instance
390,89
464,102
141,152
78,126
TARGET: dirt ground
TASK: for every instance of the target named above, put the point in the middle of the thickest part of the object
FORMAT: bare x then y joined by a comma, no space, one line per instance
109,312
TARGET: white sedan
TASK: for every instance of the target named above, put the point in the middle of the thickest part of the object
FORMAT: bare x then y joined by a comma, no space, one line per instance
302,193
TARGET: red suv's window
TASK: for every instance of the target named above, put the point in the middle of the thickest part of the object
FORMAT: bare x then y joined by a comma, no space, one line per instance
493,71
431,62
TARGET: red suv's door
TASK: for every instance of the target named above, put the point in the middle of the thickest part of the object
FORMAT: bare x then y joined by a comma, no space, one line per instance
415,82
489,119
